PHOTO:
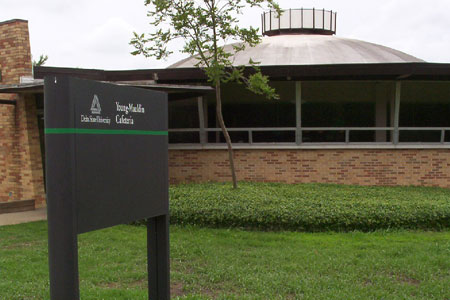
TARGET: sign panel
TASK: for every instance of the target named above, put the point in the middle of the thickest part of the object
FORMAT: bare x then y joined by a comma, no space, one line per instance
106,164
119,147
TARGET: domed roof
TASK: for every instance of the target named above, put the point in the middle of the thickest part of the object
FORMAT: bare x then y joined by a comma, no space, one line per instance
311,49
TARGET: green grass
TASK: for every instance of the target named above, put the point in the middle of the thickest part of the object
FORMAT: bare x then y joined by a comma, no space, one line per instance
235,264
310,207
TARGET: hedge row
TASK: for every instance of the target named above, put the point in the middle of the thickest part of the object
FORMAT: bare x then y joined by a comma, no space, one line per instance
309,207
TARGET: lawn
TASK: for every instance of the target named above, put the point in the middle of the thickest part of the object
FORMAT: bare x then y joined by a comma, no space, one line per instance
211,263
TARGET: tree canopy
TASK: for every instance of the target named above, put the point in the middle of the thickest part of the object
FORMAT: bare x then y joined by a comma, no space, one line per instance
206,27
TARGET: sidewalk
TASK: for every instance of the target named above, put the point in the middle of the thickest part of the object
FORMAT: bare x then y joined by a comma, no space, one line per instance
23,217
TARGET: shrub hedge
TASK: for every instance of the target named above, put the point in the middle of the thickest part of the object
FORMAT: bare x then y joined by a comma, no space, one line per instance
309,207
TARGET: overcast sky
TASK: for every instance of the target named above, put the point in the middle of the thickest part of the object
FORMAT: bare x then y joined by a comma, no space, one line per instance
95,33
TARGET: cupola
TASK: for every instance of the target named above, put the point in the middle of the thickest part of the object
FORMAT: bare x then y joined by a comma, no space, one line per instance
299,21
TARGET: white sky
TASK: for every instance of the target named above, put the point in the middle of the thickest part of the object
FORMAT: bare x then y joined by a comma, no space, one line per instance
95,33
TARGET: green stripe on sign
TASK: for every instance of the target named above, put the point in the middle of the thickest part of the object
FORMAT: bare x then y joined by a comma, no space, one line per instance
102,131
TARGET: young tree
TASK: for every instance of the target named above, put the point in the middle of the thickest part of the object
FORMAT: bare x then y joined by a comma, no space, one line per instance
42,60
205,27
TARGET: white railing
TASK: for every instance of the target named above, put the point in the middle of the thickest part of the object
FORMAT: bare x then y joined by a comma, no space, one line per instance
299,19
395,134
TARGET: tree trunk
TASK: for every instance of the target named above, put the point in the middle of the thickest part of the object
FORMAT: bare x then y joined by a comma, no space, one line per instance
225,133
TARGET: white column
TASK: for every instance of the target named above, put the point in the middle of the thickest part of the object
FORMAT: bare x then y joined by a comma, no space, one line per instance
398,88
298,112
381,102
205,117
201,120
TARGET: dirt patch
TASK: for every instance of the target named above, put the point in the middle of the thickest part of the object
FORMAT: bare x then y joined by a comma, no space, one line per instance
22,245
110,285
368,282
405,279
142,283
176,289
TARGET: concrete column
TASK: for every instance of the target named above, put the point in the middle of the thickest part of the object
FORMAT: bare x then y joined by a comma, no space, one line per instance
201,121
298,112
205,118
381,102
391,109
398,86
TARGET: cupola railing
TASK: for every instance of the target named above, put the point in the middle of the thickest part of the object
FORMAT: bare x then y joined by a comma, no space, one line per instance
303,21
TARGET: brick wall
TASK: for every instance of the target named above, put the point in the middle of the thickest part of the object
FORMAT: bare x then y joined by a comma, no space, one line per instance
427,167
28,149
8,158
21,174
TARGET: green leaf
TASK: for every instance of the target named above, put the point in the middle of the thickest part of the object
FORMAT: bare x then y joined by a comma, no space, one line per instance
204,26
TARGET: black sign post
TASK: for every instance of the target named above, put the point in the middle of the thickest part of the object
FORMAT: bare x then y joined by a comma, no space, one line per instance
106,164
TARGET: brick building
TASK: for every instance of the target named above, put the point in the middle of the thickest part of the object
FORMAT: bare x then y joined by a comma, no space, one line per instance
21,172
350,112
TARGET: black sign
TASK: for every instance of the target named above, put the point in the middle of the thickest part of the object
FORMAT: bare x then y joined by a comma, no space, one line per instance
106,164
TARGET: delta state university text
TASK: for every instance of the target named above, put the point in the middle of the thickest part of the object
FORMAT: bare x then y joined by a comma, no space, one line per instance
124,116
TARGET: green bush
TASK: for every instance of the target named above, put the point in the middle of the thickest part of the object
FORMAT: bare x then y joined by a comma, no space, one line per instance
309,207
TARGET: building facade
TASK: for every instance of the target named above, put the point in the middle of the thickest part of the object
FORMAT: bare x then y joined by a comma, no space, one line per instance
350,112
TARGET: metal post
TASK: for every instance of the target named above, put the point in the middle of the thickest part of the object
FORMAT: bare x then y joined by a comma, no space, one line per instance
331,20
201,120
290,18
250,137
279,21
314,18
61,199
270,20
335,17
262,24
158,258
442,136
62,251
298,112
301,26
398,86
323,18
347,136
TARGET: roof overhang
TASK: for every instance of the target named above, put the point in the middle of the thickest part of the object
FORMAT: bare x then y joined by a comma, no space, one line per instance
175,91
35,87
385,71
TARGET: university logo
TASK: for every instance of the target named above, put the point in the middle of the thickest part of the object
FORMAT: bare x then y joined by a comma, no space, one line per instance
95,107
